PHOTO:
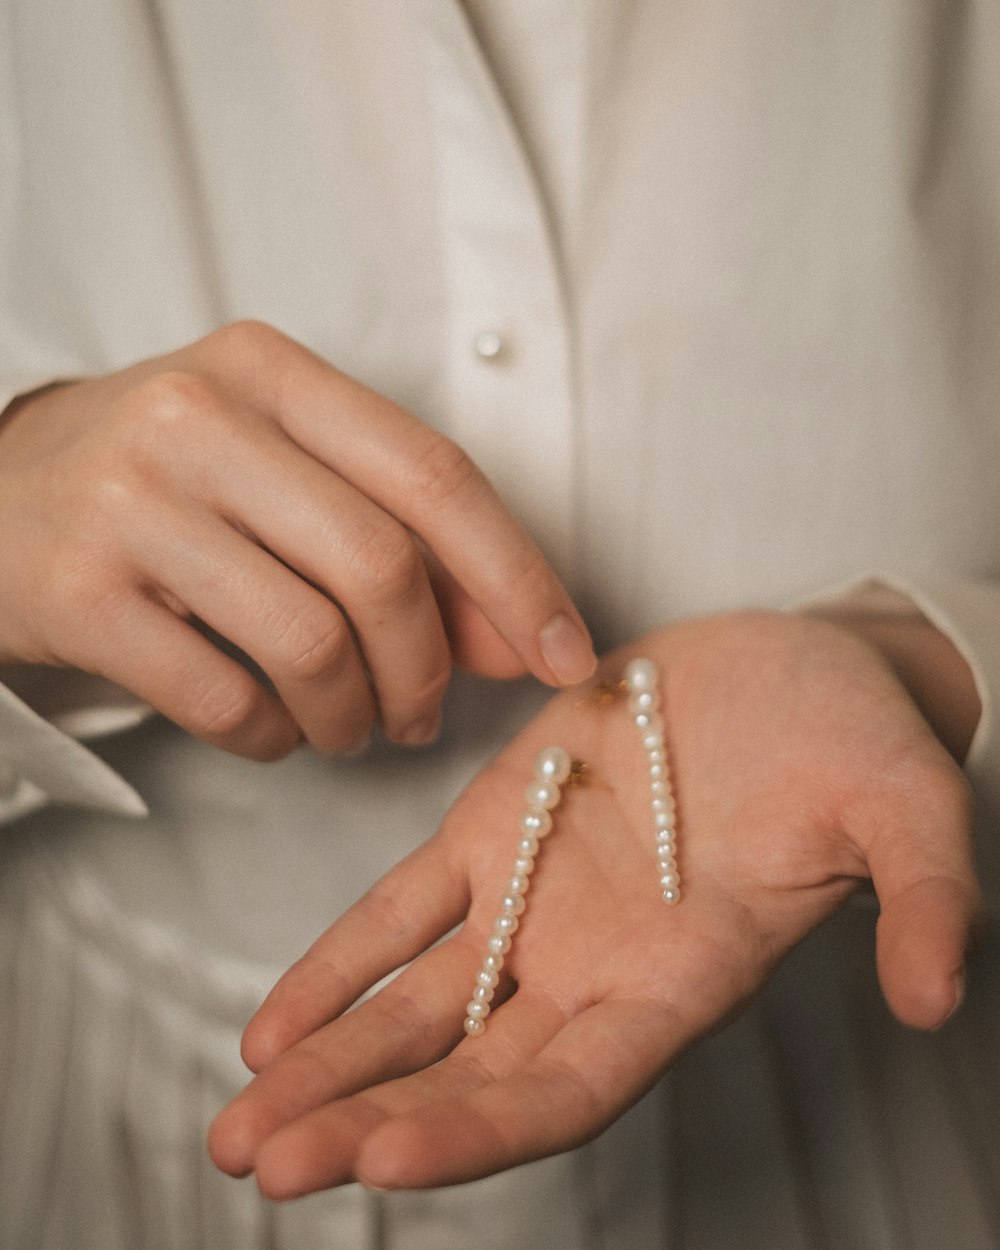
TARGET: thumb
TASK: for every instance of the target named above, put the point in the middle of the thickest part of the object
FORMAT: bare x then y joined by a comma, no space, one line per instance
931,906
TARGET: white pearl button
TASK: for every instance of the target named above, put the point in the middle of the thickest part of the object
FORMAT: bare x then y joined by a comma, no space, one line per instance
488,345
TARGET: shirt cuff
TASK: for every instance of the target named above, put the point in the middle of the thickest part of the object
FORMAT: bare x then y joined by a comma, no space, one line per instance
12,388
40,764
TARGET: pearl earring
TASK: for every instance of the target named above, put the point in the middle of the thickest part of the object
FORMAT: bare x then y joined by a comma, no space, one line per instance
553,768
642,681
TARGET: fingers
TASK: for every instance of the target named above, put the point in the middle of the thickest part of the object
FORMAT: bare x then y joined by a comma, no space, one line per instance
533,1085
337,538
149,650
582,1079
291,631
372,613
923,871
475,643
327,484
426,482
378,934
410,1024
321,1148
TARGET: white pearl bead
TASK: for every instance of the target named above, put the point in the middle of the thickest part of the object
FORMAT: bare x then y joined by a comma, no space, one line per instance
667,863
483,994
512,904
640,675
553,764
665,836
662,803
499,944
476,1010
505,925
669,880
518,884
537,822
657,772
487,977
673,895
528,846
474,1027
542,793
658,787
643,701
663,822
493,962
657,756
653,740
524,866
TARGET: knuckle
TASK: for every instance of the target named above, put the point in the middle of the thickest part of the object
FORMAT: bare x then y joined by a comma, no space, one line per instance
175,395
443,474
86,611
311,652
245,340
384,914
387,564
436,687
164,412
223,710
246,333
114,497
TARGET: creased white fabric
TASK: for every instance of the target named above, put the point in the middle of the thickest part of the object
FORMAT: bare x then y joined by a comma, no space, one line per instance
750,350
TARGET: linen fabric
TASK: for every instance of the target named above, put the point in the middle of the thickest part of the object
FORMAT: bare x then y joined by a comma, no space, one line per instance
742,263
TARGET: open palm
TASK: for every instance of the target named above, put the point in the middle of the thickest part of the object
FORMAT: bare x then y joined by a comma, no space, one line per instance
801,768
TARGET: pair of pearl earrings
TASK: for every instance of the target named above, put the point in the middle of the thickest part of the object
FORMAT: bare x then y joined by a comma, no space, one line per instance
553,770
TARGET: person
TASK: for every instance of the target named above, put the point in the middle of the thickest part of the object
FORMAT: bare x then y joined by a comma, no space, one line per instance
710,297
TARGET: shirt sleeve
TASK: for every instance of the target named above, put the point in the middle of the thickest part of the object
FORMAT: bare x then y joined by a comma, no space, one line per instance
14,387
42,761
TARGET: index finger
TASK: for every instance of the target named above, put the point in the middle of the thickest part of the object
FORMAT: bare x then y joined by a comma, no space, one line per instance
428,483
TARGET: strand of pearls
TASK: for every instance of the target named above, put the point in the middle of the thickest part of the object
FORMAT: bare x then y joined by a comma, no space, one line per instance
552,769
642,681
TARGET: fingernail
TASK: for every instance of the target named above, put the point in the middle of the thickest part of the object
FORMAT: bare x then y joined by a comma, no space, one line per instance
568,651
421,733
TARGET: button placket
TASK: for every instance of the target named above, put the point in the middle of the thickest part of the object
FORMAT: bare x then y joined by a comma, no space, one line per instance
510,398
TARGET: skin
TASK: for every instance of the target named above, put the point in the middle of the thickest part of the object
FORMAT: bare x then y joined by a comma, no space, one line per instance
804,764
243,489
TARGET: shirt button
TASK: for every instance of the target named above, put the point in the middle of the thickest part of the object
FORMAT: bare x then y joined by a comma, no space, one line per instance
488,345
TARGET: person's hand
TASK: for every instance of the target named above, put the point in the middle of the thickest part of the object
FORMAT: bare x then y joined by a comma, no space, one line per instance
801,767
243,488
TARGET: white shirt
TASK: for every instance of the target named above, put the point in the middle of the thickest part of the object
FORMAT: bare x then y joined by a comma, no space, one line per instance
741,268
